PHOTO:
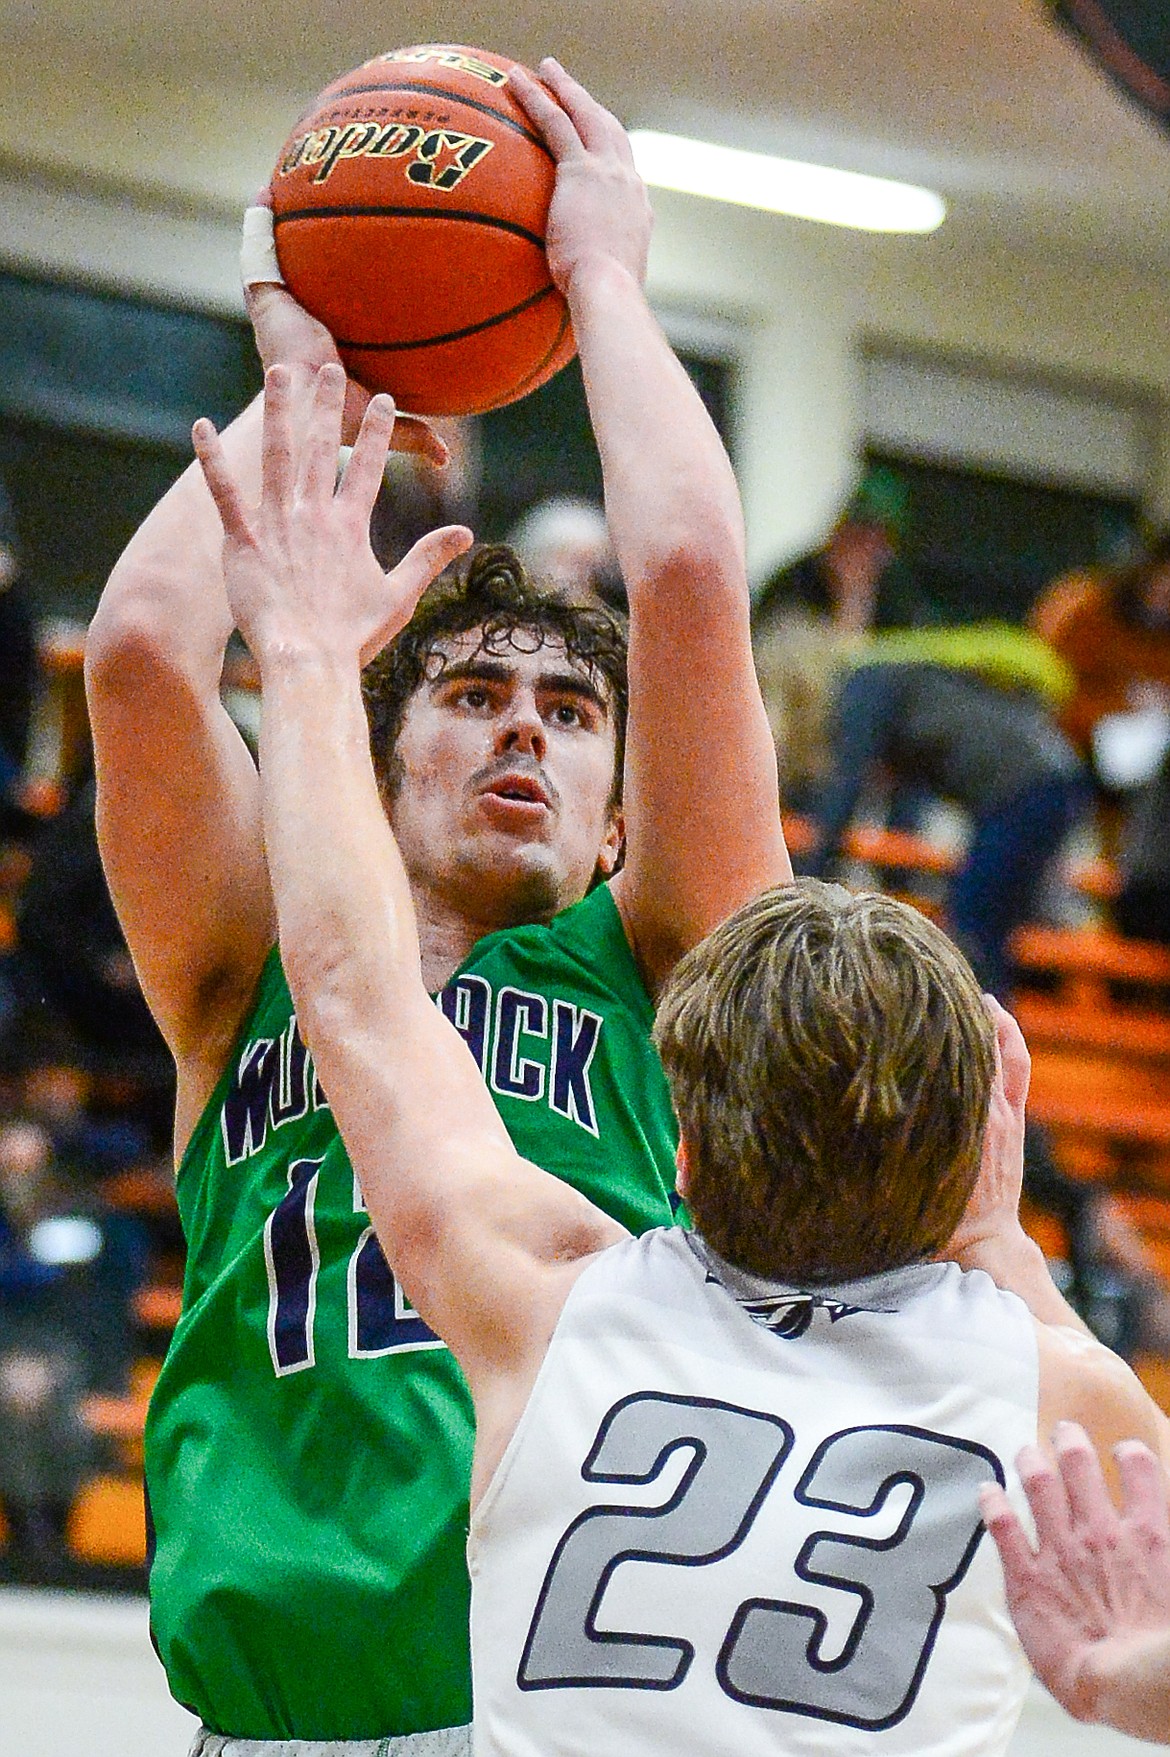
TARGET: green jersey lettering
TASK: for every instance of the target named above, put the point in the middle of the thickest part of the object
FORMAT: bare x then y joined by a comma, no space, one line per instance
309,1440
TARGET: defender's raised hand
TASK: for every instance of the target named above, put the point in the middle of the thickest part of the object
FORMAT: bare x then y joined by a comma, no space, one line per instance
990,1235
599,206
299,569
1092,1601
995,1201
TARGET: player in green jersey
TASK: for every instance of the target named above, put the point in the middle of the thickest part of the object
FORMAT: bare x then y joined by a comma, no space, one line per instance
309,1441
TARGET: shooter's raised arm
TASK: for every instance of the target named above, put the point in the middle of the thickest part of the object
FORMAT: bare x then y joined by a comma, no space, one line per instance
178,804
701,798
178,800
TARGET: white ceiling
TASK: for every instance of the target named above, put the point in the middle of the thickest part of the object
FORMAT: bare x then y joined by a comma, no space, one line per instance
982,99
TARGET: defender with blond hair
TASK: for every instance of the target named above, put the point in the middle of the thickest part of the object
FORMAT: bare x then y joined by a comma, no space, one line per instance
725,1483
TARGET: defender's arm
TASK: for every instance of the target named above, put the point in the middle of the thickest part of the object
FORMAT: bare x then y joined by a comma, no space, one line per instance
1080,1379
480,1238
701,797
178,797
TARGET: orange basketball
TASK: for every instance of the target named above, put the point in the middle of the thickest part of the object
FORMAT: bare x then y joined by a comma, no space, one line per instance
410,204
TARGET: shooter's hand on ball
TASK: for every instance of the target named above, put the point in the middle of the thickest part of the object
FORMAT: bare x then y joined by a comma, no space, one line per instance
599,207
1092,1602
301,576
287,336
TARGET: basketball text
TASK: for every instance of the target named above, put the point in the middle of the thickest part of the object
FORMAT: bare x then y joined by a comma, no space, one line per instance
435,158
457,59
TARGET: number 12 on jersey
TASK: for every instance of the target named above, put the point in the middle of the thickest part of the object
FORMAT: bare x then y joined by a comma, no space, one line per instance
380,1319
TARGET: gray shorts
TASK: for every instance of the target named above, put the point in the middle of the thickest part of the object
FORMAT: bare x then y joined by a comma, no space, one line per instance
450,1741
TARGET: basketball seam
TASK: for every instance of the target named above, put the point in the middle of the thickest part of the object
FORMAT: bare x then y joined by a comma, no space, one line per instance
361,212
519,389
438,91
455,335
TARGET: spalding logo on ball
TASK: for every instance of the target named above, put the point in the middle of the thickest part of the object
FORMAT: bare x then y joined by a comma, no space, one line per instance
410,205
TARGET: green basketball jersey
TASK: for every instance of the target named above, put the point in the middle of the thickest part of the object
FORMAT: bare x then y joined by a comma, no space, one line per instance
309,1440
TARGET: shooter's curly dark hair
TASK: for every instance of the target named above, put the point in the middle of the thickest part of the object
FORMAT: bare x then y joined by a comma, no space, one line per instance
492,592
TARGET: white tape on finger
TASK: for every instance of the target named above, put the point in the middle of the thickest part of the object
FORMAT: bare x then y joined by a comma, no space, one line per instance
258,260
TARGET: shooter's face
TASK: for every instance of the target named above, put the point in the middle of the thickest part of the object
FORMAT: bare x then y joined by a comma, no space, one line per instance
506,758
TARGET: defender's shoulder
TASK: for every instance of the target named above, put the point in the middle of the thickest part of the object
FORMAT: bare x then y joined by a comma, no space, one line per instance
1083,1381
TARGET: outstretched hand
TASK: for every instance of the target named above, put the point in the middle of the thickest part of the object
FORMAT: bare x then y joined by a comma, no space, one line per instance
599,207
1092,1601
300,573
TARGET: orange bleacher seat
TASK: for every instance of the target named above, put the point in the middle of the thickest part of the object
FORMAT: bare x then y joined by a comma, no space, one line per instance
905,851
1078,954
142,1190
876,846
107,1522
1100,1066
122,1419
116,1418
1154,1372
1050,1020
1126,1104
1149,1214
1044,1229
158,1307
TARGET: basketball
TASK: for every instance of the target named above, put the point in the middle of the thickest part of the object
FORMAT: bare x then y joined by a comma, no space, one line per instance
409,206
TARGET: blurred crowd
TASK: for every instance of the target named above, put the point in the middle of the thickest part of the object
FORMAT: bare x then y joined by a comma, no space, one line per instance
1008,743
86,1093
1004,743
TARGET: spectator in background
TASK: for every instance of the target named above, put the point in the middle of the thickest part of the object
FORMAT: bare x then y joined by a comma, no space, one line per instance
67,1274
996,753
946,723
807,619
855,578
1112,628
837,726
564,542
17,679
800,661
965,713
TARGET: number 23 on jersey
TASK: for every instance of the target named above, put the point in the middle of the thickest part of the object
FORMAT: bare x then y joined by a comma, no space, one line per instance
774,1653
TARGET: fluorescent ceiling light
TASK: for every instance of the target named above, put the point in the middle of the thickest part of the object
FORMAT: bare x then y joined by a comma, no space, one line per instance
784,186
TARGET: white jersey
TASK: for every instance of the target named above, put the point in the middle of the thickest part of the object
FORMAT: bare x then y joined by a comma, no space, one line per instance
741,1520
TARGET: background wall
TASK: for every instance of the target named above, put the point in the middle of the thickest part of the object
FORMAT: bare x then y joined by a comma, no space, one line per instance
798,302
